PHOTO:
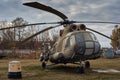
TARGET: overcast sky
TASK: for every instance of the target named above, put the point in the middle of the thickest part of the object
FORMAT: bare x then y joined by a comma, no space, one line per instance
80,10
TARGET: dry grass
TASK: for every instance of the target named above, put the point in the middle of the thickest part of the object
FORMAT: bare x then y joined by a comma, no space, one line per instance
31,70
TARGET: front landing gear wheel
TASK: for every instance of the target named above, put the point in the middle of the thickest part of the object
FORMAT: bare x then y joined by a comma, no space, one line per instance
81,70
43,65
87,64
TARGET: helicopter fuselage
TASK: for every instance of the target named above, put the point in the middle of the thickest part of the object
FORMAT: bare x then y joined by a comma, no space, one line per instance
76,46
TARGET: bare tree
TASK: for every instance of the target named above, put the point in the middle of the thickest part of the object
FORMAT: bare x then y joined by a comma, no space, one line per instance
17,31
6,35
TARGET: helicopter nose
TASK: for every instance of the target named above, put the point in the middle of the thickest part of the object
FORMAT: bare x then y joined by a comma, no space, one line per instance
87,48
80,48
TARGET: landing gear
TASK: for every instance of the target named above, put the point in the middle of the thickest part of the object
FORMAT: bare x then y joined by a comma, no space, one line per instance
87,64
81,69
43,65
43,59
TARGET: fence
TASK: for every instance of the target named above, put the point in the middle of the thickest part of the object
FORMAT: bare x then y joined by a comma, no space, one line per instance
20,53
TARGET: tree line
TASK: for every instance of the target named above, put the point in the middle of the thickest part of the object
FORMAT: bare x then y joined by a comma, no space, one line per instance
10,38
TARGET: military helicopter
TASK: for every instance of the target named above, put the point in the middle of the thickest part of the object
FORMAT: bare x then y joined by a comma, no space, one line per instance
75,43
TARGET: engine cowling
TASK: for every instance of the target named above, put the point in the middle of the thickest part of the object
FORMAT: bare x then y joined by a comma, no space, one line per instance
56,57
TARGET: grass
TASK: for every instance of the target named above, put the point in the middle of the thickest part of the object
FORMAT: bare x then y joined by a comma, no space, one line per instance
31,70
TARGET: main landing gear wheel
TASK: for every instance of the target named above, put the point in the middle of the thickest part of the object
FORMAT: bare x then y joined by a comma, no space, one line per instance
43,65
87,64
81,70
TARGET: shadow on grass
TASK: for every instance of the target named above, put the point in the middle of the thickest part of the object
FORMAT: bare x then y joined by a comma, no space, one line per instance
60,68
67,69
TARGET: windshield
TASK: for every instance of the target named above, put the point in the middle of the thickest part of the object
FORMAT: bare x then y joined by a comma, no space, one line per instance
85,36
79,37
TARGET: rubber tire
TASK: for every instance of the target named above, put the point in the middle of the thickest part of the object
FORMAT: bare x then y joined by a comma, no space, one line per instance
87,64
81,70
43,65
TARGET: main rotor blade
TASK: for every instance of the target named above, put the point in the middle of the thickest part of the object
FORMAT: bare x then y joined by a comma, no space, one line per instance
103,22
46,29
20,26
99,33
60,22
46,8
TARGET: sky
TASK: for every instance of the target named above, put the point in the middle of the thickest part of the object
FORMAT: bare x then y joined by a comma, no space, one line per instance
80,10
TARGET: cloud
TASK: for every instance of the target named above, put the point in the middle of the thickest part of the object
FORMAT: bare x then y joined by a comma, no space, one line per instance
100,10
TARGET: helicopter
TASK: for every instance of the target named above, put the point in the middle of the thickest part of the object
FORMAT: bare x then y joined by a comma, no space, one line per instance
76,43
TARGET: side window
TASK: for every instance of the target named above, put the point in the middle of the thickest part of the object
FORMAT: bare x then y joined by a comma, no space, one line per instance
93,37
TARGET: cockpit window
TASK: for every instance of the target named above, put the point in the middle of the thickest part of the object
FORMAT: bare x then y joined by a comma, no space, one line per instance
87,36
93,37
79,37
